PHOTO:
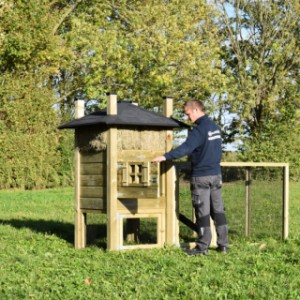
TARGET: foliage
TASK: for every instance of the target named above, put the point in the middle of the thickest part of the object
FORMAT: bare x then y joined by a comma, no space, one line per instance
245,63
52,52
38,261
142,50
29,142
261,59
29,154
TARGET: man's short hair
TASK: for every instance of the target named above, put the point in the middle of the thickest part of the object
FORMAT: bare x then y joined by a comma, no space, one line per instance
194,103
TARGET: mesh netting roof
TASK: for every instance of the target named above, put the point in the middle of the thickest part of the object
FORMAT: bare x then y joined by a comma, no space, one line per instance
128,114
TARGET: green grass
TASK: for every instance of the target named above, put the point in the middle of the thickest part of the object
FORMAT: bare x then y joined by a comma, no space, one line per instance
38,261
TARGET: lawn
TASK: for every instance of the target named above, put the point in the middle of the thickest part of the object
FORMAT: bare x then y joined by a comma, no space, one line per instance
38,260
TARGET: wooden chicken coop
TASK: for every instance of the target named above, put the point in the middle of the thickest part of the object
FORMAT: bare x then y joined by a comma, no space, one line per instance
114,174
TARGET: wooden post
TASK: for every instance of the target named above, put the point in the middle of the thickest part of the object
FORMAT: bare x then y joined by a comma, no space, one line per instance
112,222
80,218
79,109
285,213
247,202
172,228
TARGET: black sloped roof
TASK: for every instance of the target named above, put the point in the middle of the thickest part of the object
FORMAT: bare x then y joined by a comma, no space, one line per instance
128,114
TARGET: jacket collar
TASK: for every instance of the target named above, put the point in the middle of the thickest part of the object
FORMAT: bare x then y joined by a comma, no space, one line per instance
201,119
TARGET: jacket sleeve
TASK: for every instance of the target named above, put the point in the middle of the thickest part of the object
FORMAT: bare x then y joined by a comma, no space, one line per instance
194,140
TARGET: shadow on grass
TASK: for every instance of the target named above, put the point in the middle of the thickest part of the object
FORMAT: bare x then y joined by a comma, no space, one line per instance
96,234
60,229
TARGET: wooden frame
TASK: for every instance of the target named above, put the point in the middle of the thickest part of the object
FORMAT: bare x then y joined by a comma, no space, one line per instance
285,195
158,214
80,216
249,166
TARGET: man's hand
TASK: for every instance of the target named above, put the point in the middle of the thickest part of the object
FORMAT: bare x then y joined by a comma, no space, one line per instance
158,159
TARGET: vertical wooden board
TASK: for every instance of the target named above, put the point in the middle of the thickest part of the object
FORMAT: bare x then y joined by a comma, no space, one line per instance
171,213
79,220
285,221
113,226
213,242
171,217
80,229
248,202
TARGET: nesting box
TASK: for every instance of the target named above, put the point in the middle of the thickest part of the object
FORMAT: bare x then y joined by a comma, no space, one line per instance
114,173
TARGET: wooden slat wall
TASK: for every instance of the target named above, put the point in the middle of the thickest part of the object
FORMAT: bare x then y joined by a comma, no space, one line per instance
93,180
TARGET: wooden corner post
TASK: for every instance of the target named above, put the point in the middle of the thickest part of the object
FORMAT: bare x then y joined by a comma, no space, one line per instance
112,160
172,227
80,217
285,230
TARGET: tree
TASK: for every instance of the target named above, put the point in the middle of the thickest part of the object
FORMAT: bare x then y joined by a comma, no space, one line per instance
53,52
29,152
141,49
262,60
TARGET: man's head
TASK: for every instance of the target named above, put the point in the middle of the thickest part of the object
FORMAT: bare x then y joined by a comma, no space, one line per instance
194,109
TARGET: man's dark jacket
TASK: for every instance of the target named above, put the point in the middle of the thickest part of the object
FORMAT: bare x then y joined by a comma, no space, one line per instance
204,145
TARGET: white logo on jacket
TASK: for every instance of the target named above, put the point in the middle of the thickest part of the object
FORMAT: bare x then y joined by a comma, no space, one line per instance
213,135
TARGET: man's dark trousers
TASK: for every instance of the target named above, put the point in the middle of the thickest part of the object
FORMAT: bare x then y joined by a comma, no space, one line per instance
207,202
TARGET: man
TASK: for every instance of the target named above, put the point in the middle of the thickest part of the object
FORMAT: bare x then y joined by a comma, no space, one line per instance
204,145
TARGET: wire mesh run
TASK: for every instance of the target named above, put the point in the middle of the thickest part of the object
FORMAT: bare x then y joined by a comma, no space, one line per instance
255,197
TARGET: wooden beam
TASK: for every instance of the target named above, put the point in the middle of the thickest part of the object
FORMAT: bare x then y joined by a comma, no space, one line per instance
170,181
112,104
80,217
285,221
247,201
168,107
253,164
150,213
111,184
79,109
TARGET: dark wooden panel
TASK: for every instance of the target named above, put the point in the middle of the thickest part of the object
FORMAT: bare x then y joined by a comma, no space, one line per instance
92,169
92,203
93,192
93,180
135,205
93,157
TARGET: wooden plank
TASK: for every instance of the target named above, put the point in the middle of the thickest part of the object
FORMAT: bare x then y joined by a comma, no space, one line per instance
93,211
168,107
113,225
93,203
253,164
141,246
138,192
247,202
170,177
93,157
159,214
138,155
93,180
285,217
93,192
92,168
80,217
140,205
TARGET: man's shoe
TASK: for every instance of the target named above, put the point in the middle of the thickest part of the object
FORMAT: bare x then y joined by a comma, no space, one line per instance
196,251
222,249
